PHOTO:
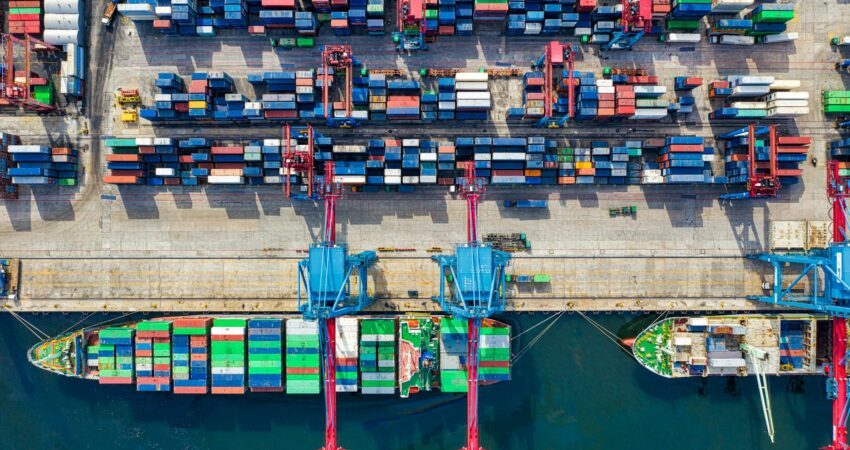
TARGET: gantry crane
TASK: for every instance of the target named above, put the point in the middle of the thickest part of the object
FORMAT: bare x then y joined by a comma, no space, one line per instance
300,158
476,278
556,54
636,20
762,179
324,279
338,58
829,270
14,91
412,25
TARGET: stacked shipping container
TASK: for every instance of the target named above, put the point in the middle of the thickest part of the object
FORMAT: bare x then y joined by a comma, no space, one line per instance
115,355
228,356
24,17
8,190
303,362
454,337
377,356
190,352
40,164
758,97
347,351
792,150
265,358
792,349
153,356
494,353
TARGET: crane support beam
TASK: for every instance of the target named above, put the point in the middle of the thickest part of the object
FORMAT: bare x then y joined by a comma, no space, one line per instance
474,327
328,331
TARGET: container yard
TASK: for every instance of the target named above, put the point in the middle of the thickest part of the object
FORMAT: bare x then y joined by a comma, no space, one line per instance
367,202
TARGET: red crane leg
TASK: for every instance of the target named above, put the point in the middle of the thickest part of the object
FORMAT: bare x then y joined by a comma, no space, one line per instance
839,372
472,386
329,358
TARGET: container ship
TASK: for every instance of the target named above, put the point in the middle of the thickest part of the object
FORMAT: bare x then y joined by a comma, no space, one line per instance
237,354
794,344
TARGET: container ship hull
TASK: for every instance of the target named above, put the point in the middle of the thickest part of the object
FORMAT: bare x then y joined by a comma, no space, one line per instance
228,354
796,344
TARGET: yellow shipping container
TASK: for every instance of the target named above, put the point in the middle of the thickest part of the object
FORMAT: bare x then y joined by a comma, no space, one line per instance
584,165
198,104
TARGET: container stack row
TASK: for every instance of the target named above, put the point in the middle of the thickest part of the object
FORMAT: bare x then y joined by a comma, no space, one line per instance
303,361
40,164
755,97
792,349
190,355
64,22
347,353
494,354
454,337
678,160
228,356
115,356
836,102
791,152
153,356
265,355
24,17
8,190
72,71
600,163
765,24
377,356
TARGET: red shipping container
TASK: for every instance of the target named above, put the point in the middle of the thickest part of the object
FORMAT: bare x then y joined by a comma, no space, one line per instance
161,24
257,29
792,149
346,361
143,353
127,173
154,380
227,337
205,165
302,370
586,6
304,82
288,4
626,94
606,97
626,102
147,150
228,390
24,4
198,357
794,140
117,179
508,172
789,172
24,17
185,159
585,172
123,158
339,23
189,390
230,150
171,181
115,380
229,166
281,114
494,363
159,367
445,30
534,81
535,96
689,148
181,107
191,323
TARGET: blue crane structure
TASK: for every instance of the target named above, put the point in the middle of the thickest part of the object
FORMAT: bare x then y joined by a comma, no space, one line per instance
324,292
830,296
475,276
636,21
762,182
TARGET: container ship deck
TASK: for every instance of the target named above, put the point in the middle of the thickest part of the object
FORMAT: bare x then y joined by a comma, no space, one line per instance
239,354
796,344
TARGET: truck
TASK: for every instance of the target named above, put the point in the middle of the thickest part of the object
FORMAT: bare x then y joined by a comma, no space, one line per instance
526,203
9,276
840,41
108,13
732,39
777,38
680,38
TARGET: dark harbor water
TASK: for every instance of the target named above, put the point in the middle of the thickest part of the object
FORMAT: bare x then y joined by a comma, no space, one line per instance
574,389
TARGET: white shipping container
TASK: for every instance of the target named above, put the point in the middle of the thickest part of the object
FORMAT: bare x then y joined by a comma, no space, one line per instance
749,105
499,156
750,91
784,85
473,104
781,37
164,172
392,179
62,37
604,83
224,179
726,362
360,115
54,21
788,103
254,105
350,179
163,141
427,179
482,157
730,6
162,98
606,90
472,96
844,40
683,38
427,157
410,180
734,39
737,80
144,141
471,86
471,76
63,6
227,370
494,341
801,95
392,172
650,90
583,31
649,113
300,325
787,112
349,149
410,142
28,149
227,331
163,11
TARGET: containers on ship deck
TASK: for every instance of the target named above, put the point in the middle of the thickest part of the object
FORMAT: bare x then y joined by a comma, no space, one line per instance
347,352
303,361
494,353
454,337
227,358
115,355
265,356
153,355
377,356
190,355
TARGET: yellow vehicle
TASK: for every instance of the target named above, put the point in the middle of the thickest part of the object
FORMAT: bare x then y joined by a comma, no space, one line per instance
130,115
128,97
